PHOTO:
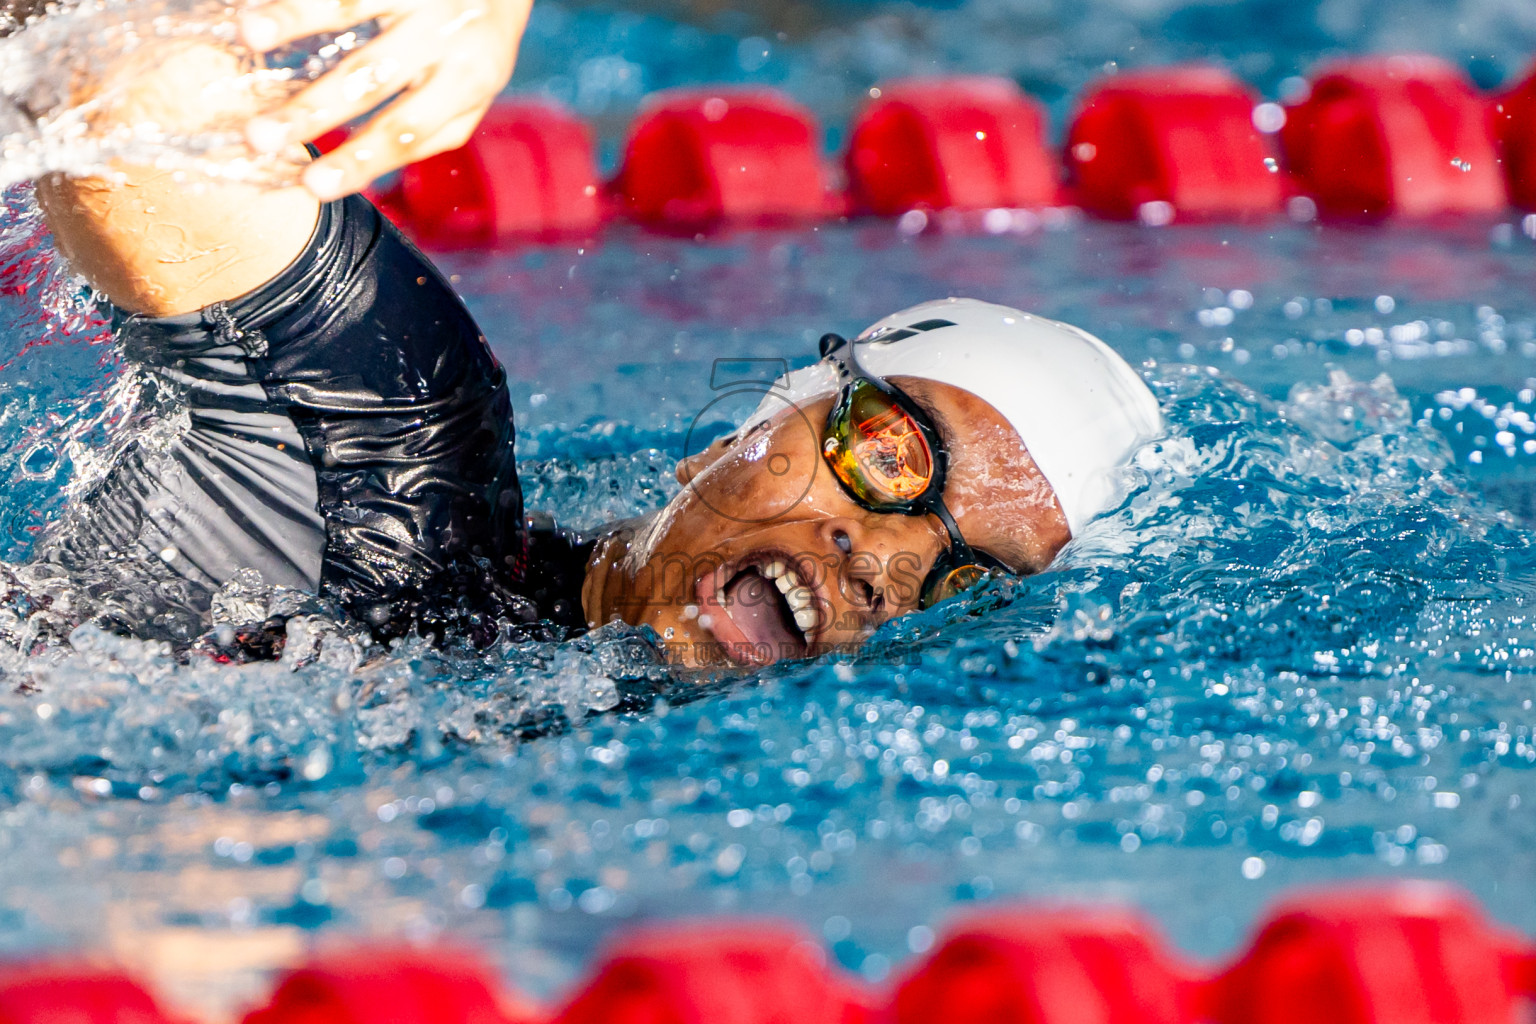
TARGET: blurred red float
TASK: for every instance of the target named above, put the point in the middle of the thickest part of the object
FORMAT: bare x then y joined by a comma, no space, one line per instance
1514,125
712,973
952,143
54,994
1056,967
1401,135
1408,954
528,172
1400,954
700,158
392,986
328,142
1172,143
1522,970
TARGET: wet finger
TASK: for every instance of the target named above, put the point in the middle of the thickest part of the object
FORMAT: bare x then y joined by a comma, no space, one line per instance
454,134
357,85
412,128
276,24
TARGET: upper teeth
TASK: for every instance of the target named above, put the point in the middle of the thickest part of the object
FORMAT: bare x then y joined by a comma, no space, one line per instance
802,601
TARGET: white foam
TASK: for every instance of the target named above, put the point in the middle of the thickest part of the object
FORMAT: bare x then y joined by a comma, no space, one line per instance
43,130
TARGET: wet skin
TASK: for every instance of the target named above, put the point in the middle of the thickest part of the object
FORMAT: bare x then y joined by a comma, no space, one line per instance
702,571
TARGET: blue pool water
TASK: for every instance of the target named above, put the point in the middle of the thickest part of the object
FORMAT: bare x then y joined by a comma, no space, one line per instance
1303,650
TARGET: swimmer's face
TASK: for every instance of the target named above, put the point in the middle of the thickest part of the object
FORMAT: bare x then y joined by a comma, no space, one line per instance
764,556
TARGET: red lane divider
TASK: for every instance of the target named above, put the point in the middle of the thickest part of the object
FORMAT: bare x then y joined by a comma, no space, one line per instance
1375,137
950,143
700,158
716,974
529,171
1514,125
58,994
392,986
1414,954
1394,135
1180,137
1061,967
1410,953
1522,973
331,140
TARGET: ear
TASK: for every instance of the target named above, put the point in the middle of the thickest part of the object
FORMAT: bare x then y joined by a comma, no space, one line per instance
689,467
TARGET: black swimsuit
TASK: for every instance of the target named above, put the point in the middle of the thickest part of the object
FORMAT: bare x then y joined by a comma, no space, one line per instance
343,430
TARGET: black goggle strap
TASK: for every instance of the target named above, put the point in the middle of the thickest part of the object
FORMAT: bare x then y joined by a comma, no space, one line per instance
934,505
959,566
836,348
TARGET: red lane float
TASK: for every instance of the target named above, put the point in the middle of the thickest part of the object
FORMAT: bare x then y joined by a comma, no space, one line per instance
700,158
528,172
716,974
54,994
1174,143
1381,136
949,143
1514,126
1523,974
1375,137
392,986
1411,954
330,141
1058,967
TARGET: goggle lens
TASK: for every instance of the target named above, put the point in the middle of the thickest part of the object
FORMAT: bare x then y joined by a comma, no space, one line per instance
876,449
946,583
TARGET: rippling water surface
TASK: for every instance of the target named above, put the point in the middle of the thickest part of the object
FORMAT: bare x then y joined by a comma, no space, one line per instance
1302,650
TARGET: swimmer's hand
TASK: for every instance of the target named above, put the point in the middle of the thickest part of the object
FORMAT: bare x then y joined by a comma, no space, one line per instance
156,241
442,61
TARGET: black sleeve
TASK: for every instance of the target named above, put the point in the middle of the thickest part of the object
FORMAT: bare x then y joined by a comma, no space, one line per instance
402,410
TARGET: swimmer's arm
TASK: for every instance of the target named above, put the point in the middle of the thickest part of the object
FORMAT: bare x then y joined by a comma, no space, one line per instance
159,245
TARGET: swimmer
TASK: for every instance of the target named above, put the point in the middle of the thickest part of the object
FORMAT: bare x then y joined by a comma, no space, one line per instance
347,431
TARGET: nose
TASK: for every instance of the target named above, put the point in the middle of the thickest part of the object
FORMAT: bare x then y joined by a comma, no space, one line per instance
884,560
690,466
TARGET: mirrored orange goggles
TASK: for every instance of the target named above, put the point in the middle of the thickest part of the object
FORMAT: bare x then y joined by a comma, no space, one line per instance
888,456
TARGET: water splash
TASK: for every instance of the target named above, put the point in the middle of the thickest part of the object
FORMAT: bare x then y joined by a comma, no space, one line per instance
59,99
62,390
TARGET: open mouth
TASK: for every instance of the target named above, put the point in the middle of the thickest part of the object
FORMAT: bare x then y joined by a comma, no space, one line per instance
759,611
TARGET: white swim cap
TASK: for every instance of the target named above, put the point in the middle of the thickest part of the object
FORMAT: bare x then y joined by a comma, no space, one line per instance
1079,408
